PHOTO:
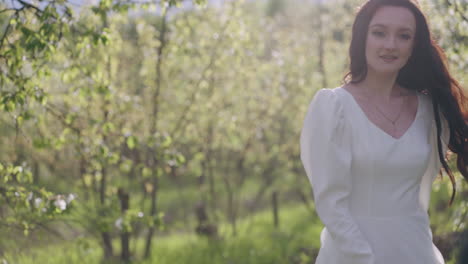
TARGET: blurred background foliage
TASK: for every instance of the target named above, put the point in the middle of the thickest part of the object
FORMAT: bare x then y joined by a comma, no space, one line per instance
167,131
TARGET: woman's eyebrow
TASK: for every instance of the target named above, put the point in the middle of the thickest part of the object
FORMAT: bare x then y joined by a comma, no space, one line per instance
406,29
399,29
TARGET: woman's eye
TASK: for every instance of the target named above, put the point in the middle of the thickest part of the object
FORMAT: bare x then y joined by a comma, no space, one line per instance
405,36
378,33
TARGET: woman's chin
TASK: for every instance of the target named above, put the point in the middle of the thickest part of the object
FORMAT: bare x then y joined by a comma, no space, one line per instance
385,69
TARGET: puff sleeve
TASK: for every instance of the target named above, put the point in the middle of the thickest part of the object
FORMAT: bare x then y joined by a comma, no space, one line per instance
325,146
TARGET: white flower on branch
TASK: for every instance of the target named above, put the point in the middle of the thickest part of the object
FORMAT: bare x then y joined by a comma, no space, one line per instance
118,223
71,197
60,203
37,202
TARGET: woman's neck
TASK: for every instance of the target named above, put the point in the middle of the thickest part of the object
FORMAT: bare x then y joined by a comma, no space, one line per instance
381,86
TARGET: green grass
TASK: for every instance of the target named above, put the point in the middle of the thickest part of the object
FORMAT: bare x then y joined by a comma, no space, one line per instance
257,241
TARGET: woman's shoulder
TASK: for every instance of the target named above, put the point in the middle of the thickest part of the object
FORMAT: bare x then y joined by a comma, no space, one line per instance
329,95
327,102
330,91
335,98
325,113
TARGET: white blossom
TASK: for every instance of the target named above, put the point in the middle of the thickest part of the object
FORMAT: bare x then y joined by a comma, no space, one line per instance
71,197
60,204
37,202
118,223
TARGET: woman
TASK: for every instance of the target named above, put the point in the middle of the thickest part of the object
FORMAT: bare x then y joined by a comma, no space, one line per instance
372,147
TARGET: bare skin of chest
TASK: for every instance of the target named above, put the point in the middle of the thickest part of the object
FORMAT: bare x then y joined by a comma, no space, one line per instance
394,116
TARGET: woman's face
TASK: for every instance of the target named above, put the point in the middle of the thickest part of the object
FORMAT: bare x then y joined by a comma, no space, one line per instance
390,39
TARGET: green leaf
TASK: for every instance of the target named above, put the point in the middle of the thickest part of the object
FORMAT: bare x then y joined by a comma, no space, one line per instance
10,106
17,169
167,141
41,143
132,141
126,166
200,2
103,89
175,3
180,158
19,120
108,127
105,38
113,158
146,172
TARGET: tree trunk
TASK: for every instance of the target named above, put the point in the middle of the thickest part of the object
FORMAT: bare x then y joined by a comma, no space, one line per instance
125,235
231,209
155,101
321,50
274,200
106,238
149,237
107,245
35,172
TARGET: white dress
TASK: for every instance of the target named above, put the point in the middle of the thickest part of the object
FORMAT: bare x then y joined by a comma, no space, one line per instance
371,190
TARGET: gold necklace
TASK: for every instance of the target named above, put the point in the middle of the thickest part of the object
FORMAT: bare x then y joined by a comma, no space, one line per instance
389,119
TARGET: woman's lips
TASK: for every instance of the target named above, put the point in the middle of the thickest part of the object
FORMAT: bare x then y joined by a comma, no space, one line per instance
388,58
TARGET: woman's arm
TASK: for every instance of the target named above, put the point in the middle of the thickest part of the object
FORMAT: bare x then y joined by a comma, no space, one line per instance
326,156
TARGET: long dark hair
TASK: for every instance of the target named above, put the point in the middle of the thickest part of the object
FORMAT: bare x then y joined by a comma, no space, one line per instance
426,71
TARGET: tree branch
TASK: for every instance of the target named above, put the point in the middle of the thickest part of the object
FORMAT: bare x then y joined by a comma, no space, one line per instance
28,5
457,9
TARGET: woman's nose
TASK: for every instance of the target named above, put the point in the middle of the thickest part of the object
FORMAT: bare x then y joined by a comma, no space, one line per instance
390,42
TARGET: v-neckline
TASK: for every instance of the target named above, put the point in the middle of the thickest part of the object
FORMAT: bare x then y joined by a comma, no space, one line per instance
376,126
